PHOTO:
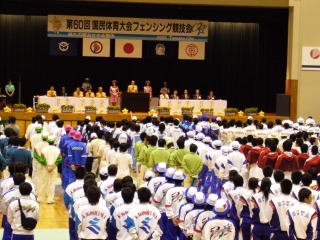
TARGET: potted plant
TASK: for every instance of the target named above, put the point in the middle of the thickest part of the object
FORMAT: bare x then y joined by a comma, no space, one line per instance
187,110
19,107
252,111
113,109
164,110
66,108
42,107
206,111
90,109
230,111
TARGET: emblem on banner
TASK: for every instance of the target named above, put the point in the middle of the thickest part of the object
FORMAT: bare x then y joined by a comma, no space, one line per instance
315,53
191,50
128,48
96,47
56,24
64,46
160,49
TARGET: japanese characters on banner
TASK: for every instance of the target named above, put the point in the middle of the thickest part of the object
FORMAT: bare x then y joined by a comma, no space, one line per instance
96,47
311,58
127,28
191,50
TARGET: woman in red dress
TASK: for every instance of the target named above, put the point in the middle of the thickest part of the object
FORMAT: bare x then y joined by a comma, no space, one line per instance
114,93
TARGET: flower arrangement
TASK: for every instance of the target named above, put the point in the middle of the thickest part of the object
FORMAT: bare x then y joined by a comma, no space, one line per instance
240,113
113,109
251,111
90,109
230,111
206,111
125,111
186,110
29,109
7,109
164,110
55,110
67,108
19,107
42,107
261,113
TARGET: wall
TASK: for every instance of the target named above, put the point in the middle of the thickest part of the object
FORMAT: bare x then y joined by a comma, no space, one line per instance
304,18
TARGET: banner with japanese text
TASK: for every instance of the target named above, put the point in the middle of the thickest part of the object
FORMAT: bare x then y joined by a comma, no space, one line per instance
127,28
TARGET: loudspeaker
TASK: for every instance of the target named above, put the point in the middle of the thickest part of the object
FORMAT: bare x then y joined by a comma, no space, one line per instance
283,105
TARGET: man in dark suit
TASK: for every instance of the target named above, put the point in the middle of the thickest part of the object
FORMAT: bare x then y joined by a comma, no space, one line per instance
197,95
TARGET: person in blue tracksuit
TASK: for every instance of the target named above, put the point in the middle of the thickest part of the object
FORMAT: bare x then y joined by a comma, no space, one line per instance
64,143
77,156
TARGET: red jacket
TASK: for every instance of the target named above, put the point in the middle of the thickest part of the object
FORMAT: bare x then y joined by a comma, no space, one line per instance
287,161
245,149
295,151
268,160
253,155
264,152
301,158
313,161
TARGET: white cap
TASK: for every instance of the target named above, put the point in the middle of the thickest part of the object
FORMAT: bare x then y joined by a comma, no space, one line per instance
122,138
295,126
88,118
221,207
191,134
43,117
199,199
300,120
190,192
161,167
212,198
217,143
45,134
149,174
310,121
195,116
93,135
134,118
104,171
207,140
38,126
198,128
178,175
51,138
200,136
170,172
235,145
218,119
250,118
155,115
150,131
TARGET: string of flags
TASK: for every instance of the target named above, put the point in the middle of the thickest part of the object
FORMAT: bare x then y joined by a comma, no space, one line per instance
127,48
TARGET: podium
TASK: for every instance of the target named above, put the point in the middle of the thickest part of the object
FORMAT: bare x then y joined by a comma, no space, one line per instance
135,102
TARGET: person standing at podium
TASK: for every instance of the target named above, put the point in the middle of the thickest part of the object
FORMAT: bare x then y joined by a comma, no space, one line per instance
164,88
147,88
10,91
132,88
86,85
114,93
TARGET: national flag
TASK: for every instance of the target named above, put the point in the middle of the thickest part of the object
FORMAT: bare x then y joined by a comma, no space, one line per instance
160,49
64,46
128,48
192,50
96,47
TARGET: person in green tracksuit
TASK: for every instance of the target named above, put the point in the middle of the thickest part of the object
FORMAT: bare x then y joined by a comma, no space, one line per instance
191,164
139,145
177,155
169,145
159,155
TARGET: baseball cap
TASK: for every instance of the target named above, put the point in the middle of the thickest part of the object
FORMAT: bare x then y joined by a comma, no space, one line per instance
178,175
212,199
161,167
77,136
68,127
169,173
190,192
221,207
199,199
149,174
104,171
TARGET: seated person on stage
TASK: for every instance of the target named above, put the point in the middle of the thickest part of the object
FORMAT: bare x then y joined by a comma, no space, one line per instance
89,93
185,94
175,95
164,94
51,92
63,92
133,88
197,95
211,95
78,93
101,93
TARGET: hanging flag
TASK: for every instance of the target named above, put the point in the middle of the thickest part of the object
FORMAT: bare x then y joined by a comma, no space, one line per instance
96,47
64,46
128,48
160,49
192,50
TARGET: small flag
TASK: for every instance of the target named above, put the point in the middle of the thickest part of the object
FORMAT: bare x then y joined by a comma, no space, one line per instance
64,46
192,50
160,49
128,48
96,47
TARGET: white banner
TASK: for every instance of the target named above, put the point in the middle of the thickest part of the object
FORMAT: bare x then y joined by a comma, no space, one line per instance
311,58
192,50
127,28
99,47
128,48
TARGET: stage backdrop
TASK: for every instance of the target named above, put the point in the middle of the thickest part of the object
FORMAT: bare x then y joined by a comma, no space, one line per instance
245,53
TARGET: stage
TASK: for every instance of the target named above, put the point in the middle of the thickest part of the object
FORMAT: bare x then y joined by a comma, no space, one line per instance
24,118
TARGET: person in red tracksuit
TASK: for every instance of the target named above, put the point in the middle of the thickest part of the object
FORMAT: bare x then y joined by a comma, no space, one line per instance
270,158
303,156
287,161
313,161
245,148
252,160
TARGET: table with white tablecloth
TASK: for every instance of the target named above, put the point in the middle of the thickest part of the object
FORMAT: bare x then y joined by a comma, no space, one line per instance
175,105
77,102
